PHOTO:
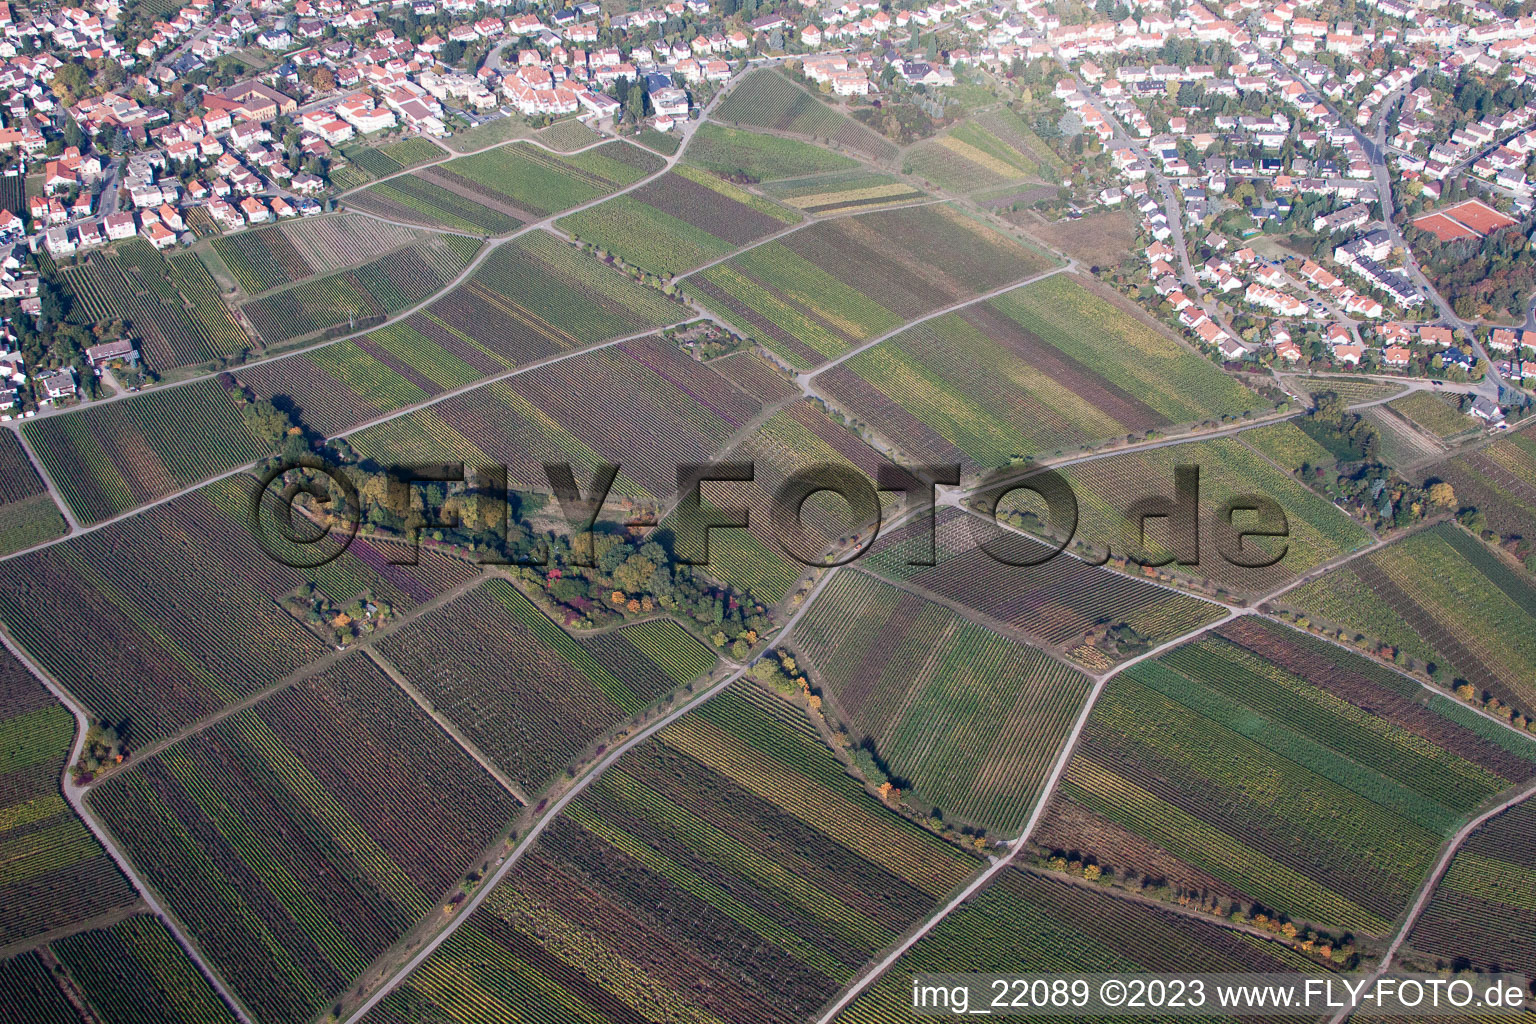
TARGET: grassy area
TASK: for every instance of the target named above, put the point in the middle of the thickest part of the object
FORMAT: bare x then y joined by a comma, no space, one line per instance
743,154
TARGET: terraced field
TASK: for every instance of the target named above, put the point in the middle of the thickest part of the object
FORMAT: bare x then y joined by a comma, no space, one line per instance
728,869
1106,489
53,872
1040,370
971,719
1057,601
158,620
1248,756
843,191
1498,479
133,972
28,515
357,298
1482,912
1056,927
246,827
682,219
1443,599
523,690
817,292
293,250
766,99
643,405
172,305
752,156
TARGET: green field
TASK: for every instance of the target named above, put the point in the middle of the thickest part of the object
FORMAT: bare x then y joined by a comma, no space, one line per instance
971,719
246,829
272,256
682,219
752,156
523,690
819,291
1444,600
1055,927
657,142
1248,756
766,99
1036,371
415,198
726,870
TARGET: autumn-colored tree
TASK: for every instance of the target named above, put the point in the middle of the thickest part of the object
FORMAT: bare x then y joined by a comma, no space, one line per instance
1442,494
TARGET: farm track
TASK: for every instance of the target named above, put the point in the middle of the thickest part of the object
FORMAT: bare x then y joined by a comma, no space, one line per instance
75,795
872,972
1427,888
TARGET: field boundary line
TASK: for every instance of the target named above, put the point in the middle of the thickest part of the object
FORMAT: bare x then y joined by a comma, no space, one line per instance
382,418
1048,788
453,732
1432,881
74,795
557,806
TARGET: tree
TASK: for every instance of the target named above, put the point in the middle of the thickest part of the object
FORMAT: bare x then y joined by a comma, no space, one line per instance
70,82
73,136
1442,494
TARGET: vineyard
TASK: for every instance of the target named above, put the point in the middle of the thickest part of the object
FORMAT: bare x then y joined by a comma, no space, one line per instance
1057,601
1248,756
523,690
728,869
969,158
1499,480
682,219
132,972
1055,927
1288,446
420,200
173,306
365,163
843,191
643,405
756,376
28,515
53,872
1437,415
1351,389
766,99
298,839
1401,442
565,136
107,458
159,620
1107,488
798,438
536,183
817,292
356,298
751,156
277,255
972,720
1443,599
1483,912
657,141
